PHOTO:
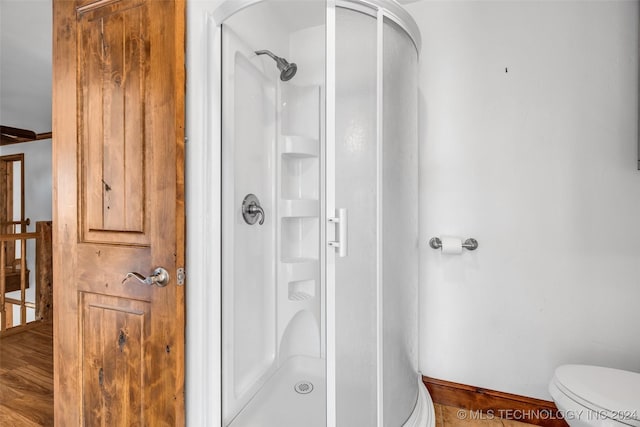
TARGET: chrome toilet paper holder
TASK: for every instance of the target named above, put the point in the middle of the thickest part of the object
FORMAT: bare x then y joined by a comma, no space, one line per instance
470,244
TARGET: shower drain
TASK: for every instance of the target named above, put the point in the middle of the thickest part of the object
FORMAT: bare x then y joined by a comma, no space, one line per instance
303,387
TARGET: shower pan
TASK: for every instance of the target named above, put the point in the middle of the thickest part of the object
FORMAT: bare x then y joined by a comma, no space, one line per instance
311,107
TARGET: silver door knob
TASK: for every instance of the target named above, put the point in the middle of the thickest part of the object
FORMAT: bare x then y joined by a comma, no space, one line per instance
159,278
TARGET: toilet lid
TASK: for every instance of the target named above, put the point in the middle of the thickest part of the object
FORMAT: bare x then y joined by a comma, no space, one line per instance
612,390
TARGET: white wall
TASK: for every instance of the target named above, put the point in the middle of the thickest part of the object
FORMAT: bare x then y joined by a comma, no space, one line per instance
25,64
25,102
539,164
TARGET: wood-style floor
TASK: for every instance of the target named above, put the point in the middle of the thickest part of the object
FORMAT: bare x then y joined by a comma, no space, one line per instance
26,377
26,385
448,416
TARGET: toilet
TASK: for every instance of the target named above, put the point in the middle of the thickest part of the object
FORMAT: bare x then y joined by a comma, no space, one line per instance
593,396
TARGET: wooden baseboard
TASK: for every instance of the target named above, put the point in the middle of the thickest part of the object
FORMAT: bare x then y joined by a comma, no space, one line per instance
499,404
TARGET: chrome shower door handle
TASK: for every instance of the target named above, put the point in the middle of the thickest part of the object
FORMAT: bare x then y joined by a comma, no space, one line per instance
159,277
342,228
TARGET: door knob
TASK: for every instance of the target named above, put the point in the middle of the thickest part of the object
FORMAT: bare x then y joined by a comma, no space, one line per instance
159,277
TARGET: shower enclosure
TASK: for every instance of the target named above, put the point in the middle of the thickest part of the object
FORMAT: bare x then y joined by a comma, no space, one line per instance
318,144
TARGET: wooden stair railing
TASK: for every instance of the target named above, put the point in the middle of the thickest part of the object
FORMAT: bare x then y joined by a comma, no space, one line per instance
43,299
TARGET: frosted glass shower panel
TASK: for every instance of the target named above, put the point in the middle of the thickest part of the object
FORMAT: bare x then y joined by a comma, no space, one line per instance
356,188
400,247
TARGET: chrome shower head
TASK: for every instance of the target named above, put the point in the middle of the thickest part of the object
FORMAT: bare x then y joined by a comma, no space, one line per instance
287,70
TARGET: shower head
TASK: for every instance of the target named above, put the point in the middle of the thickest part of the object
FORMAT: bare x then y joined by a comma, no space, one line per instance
287,70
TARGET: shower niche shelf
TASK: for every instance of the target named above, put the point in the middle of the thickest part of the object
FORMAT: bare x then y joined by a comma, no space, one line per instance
300,177
302,290
299,146
298,220
299,239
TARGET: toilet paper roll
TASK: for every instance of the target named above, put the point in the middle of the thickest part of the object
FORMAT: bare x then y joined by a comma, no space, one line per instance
451,245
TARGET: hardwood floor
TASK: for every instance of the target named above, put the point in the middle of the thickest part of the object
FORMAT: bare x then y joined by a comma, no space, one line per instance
26,385
26,377
448,416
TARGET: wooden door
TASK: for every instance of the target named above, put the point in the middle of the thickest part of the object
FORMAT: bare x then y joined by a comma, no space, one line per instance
118,156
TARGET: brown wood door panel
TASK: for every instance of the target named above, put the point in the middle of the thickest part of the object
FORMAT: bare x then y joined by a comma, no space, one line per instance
118,114
95,271
113,46
114,367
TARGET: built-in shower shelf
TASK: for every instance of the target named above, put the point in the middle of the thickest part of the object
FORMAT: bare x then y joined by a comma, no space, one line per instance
302,290
299,146
299,208
293,272
300,296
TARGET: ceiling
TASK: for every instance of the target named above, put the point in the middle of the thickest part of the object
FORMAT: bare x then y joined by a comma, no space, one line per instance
25,64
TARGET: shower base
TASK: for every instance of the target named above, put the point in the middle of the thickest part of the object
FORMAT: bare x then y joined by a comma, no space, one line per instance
293,397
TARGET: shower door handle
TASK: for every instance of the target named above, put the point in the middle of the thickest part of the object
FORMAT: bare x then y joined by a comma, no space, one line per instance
342,227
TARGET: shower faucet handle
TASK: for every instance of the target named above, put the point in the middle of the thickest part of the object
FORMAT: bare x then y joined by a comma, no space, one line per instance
254,209
251,210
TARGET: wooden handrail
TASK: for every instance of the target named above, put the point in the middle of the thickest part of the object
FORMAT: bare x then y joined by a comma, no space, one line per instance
25,222
43,283
11,135
5,317
18,302
18,236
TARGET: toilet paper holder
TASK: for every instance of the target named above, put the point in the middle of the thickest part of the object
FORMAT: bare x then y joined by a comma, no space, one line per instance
470,244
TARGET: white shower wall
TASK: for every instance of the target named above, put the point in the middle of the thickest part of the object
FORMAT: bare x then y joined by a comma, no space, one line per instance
249,337
272,300
249,108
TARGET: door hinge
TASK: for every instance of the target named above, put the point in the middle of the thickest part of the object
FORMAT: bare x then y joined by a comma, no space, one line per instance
180,275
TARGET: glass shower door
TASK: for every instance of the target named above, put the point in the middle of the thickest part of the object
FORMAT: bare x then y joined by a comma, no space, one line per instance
352,187
372,227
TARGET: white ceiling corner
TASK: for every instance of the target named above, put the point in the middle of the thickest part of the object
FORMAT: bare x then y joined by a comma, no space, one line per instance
25,64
